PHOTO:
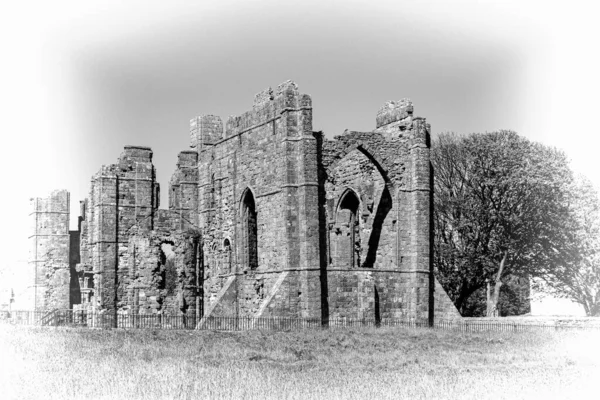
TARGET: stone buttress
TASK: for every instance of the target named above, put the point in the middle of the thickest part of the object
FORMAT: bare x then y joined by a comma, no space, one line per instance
266,218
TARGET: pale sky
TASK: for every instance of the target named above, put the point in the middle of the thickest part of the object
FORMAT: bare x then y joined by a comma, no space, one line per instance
81,79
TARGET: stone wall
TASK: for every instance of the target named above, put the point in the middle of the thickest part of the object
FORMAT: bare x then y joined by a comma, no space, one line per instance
162,273
122,195
265,218
266,157
387,172
183,190
49,254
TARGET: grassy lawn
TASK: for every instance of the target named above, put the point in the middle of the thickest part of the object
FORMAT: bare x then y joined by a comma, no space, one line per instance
386,363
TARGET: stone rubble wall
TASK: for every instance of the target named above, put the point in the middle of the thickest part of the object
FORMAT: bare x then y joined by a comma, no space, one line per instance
157,282
122,195
183,190
49,254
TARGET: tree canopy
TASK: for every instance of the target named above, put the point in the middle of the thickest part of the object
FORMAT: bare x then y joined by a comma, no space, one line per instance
501,208
578,277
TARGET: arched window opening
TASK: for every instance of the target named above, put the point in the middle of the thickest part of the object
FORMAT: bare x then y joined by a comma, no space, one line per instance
173,201
214,259
350,249
250,230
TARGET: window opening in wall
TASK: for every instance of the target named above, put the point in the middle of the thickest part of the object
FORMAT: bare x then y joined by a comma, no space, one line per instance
250,230
214,257
348,214
168,269
212,192
227,250
383,209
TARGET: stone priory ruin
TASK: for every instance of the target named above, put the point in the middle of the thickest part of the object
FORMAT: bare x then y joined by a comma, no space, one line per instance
266,218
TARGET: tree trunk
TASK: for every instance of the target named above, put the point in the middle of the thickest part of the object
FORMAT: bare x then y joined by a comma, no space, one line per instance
494,296
586,308
591,308
595,305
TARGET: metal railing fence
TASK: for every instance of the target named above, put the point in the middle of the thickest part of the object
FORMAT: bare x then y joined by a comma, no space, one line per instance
90,319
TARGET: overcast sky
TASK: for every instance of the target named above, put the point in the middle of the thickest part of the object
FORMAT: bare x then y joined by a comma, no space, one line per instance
82,79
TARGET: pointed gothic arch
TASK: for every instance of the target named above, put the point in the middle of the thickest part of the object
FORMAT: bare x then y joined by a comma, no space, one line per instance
348,243
249,224
368,151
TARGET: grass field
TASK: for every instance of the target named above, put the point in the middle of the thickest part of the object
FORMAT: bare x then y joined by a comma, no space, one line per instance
386,363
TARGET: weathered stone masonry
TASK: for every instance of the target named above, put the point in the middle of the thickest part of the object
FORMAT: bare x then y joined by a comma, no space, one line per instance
49,251
266,218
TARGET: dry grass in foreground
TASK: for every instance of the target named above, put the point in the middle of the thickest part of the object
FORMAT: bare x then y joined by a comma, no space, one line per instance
385,363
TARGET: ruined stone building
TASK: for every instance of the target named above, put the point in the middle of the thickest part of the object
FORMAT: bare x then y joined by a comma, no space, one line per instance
265,218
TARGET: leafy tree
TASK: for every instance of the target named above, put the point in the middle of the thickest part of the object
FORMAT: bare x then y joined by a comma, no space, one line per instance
514,299
500,209
578,278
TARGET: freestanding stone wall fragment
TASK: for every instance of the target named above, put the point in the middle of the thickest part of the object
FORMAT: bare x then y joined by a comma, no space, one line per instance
49,255
267,218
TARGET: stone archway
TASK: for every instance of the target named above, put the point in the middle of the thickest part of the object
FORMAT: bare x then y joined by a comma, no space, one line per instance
348,249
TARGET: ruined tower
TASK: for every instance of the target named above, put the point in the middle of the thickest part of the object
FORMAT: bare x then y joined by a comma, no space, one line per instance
267,218
49,254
